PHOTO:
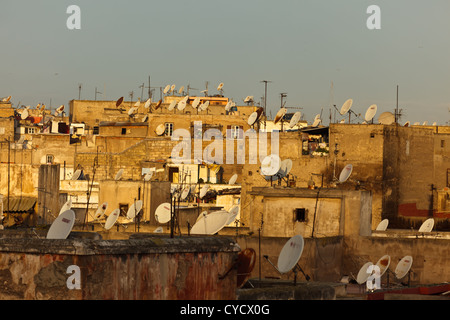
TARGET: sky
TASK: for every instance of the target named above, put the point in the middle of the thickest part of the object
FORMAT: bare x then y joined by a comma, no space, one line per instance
320,53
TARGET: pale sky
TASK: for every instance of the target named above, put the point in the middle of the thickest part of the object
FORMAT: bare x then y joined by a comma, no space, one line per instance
301,46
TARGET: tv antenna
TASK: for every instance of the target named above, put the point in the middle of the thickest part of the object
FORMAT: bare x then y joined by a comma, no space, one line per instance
96,91
79,91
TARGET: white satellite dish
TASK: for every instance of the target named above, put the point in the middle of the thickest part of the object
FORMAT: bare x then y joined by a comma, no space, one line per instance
112,219
346,106
66,206
386,118
252,118
138,103
166,89
427,225
317,120
403,267
234,211
172,88
248,99
370,113
382,226
228,106
172,105
295,119
233,179
181,105
160,129
101,211
270,165
290,254
62,226
363,275
407,123
180,91
280,114
211,223
118,175
148,103
204,190
345,173
132,110
285,167
134,209
425,123
148,176
76,175
163,213
383,263
185,192
196,102
24,114
204,106
435,123
158,230
220,87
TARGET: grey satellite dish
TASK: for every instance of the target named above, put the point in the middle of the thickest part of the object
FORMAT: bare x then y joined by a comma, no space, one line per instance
119,175
234,211
370,113
295,119
112,219
427,225
211,223
134,209
66,206
233,179
403,267
382,226
76,175
346,106
270,165
285,167
62,226
290,254
363,275
163,213
345,173
386,118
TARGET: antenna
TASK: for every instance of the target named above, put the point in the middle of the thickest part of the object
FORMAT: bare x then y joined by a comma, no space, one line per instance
265,96
96,91
79,91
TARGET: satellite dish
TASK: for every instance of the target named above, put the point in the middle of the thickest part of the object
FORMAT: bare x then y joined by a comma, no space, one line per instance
185,192
172,105
386,118
158,104
427,225
285,167
425,123
234,211
112,219
204,190
160,129
383,264
280,114
148,103
204,106
248,99
228,106
345,173
370,113
134,209
148,176
270,165
295,119
60,109
196,102
138,103
62,226
252,118
346,106
181,105
233,179
131,111
66,206
317,120
158,230
172,88
7,99
145,118
403,267
382,226
101,211
407,123
163,213
119,102
24,114
166,89
180,91
435,123
220,87
290,254
76,175
118,175
363,275
245,264
211,223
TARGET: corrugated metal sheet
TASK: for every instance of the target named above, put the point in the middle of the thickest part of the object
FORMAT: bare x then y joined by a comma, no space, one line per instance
19,205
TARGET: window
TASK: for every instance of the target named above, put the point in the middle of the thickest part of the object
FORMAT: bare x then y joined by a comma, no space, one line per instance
2,130
169,129
123,208
124,131
442,143
300,214
30,130
96,130
237,132
49,158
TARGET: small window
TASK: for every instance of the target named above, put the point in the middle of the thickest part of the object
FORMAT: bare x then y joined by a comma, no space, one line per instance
372,135
49,159
96,130
124,131
169,129
300,214
442,143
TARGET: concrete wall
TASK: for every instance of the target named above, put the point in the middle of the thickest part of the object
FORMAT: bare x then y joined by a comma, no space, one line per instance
158,268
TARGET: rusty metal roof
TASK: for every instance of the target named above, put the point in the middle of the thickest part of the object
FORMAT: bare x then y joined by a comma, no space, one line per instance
19,204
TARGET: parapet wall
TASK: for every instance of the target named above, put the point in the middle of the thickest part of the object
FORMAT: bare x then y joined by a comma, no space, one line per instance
148,268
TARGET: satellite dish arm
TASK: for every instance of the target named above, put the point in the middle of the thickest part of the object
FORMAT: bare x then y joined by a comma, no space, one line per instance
267,258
